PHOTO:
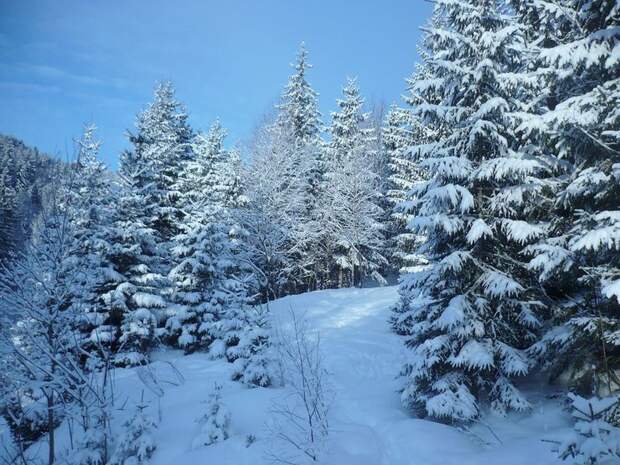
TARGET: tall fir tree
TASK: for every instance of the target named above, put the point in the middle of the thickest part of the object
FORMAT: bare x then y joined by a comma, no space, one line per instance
299,124
207,278
469,317
146,221
399,132
89,204
9,218
349,217
576,119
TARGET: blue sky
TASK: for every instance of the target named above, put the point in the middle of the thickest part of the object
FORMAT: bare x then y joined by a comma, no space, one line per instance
63,63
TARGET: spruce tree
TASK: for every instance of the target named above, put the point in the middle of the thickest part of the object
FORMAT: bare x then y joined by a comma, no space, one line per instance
89,205
136,444
210,278
470,316
9,219
350,215
299,124
576,120
135,299
147,220
401,130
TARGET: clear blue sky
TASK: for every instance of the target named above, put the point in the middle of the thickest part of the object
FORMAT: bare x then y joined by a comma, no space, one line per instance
63,62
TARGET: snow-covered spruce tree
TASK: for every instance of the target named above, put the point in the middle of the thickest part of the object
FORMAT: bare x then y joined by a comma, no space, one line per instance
164,138
400,131
136,445
135,300
349,218
395,141
89,201
471,314
208,277
577,120
594,439
252,354
201,240
147,219
215,422
299,123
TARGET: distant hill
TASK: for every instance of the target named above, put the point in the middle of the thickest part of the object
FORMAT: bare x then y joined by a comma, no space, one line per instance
25,178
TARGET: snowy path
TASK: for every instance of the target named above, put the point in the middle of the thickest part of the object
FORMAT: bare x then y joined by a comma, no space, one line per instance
363,357
369,425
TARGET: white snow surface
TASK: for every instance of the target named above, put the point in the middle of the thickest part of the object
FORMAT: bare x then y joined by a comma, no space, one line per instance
368,424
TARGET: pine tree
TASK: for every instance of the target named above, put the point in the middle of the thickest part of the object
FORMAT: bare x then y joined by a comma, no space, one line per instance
136,444
211,286
164,138
594,439
401,130
469,317
89,204
298,124
298,110
252,355
147,220
350,215
576,121
215,422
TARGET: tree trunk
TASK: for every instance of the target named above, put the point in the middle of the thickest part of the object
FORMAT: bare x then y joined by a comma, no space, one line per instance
50,428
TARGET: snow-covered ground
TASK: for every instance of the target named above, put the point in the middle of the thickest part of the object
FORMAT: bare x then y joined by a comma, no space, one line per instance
368,424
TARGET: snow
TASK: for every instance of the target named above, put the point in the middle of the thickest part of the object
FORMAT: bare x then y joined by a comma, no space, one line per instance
368,423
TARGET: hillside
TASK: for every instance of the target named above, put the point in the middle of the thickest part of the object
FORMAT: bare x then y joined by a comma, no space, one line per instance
368,425
25,176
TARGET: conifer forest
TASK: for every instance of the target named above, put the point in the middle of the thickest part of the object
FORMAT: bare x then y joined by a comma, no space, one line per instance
432,281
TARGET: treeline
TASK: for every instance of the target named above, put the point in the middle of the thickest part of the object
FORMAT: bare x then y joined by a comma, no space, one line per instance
515,117
25,175
178,247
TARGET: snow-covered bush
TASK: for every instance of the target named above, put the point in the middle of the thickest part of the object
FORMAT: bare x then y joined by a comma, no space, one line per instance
215,422
253,364
594,439
90,449
137,444
300,426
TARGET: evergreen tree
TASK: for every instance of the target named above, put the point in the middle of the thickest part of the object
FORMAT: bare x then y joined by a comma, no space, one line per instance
146,221
401,130
89,204
298,124
211,285
349,217
215,422
469,317
594,439
298,110
576,120
136,444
